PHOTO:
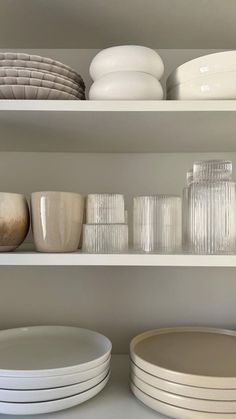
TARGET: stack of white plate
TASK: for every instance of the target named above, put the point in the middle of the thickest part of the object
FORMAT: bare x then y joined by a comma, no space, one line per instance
187,373
45,369
24,76
212,76
126,72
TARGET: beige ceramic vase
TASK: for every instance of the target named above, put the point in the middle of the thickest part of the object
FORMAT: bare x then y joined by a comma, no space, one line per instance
57,219
14,220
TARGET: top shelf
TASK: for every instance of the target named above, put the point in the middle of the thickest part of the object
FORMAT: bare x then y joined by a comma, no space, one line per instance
99,24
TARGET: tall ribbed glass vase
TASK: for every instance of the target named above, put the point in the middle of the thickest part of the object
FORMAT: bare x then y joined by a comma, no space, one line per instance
185,209
212,208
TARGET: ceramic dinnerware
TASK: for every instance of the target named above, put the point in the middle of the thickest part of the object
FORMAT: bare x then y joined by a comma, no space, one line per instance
14,220
126,58
174,411
126,85
57,220
201,357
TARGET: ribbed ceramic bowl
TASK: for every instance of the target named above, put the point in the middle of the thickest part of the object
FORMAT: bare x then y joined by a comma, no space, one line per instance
126,85
40,75
217,86
208,64
43,66
33,92
27,59
127,58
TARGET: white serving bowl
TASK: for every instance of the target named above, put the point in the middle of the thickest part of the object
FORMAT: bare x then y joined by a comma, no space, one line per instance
126,58
217,86
126,85
219,62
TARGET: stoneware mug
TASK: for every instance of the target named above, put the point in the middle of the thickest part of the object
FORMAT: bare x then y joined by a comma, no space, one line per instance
57,219
14,220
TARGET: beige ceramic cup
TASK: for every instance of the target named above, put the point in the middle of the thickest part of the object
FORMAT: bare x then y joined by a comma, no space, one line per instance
57,219
14,220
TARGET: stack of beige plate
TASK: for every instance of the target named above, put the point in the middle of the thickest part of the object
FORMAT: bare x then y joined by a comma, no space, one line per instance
45,369
24,76
186,372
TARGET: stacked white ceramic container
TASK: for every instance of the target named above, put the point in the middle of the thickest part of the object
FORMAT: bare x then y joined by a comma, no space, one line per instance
127,72
185,373
45,369
24,76
212,76
106,228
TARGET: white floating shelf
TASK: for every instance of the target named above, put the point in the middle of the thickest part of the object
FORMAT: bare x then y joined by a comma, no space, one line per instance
114,402
98,24
123,126
26,258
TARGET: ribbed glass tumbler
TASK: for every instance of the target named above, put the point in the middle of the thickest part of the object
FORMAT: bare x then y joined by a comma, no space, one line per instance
212,208
157,223
105,209
105,238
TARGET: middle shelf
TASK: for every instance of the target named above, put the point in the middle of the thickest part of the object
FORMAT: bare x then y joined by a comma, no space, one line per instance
117,126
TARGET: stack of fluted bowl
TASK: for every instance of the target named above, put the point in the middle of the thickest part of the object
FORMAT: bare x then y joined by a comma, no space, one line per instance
24,76
186,373
127,72
45,369
212,76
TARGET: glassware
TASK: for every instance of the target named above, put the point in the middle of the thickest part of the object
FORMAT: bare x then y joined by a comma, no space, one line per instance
185,224
212,208
157,223
105,238
105,209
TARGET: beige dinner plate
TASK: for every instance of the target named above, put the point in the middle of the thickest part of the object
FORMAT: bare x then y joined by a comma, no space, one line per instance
174,411
201,357
184,402
183,390
33,92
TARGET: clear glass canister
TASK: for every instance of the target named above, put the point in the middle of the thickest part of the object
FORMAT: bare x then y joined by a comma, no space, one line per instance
185,224
212,208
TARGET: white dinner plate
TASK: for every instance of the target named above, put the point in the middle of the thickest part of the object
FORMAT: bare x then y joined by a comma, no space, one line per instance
52,405
208,64
183,390
33,93
197,356
218,86
43,395
174,411
213,406
35,383
126,58
41,351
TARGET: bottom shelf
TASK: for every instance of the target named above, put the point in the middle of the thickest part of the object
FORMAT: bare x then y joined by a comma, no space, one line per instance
114,402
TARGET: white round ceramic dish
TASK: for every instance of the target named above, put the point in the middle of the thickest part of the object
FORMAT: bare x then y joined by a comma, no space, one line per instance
208,64
174,411
42,395
41,351
37,383
195,356
40,74
218,86
33,92
52,405
212,406
126,58
29,81
126,85
42,66
183,390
